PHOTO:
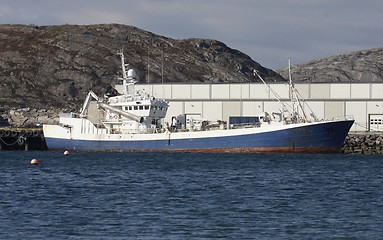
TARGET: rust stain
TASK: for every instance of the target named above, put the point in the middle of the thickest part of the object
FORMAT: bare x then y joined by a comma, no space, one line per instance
228,150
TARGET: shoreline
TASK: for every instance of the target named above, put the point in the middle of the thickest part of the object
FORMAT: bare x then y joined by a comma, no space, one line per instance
363,143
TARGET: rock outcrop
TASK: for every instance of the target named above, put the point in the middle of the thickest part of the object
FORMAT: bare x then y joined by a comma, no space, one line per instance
365,143
357,67
44,67
27,117
3,118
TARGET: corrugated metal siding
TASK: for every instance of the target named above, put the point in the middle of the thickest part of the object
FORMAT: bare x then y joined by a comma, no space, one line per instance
217,101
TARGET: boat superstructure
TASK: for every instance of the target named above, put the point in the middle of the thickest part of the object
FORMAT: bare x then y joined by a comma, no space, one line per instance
131,112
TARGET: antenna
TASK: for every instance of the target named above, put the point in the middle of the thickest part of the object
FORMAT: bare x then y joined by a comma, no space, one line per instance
290,79
162,66
148,79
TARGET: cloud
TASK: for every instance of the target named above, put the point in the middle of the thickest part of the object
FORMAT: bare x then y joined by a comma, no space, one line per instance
268,31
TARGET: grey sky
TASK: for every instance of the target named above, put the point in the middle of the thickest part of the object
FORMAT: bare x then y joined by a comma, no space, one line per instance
269,31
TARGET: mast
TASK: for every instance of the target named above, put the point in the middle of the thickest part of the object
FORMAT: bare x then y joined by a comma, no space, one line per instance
124,75
128,76
293,97
290,81
297,101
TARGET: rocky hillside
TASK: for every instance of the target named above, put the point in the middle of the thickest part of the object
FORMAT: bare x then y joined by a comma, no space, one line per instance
48,69
359,66
55,66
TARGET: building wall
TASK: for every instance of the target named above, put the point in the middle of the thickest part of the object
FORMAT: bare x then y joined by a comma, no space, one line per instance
219,101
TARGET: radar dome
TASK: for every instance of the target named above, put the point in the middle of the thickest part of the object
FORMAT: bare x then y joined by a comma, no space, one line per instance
132,73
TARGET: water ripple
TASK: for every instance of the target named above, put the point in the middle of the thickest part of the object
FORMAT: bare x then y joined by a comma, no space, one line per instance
190,196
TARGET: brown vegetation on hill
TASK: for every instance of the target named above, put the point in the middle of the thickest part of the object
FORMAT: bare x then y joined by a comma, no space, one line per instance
55,66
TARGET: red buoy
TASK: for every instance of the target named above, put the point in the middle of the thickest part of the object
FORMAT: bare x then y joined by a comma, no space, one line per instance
34,162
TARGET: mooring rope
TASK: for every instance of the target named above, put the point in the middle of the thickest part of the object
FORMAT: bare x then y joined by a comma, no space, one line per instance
20,140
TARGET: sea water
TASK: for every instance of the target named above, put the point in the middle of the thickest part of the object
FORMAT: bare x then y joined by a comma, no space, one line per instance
190,196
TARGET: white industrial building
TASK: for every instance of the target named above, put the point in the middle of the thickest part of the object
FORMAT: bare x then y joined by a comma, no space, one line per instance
362,101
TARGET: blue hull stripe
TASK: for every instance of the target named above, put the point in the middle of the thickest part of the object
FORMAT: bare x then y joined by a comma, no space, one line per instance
329,135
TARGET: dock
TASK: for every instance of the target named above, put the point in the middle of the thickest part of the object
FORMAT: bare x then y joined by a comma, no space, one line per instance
22,139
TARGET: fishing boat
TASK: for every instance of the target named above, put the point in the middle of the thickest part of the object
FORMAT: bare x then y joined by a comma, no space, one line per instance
134,121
